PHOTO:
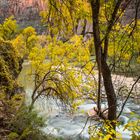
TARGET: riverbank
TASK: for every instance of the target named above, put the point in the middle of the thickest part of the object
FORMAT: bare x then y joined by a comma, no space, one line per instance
62,124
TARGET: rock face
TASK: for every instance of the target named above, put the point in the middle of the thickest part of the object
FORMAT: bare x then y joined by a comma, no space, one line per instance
29,8
131,10
26,12
20,7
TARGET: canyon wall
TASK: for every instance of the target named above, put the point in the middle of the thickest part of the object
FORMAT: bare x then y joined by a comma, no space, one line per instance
26,12
22,8
130,12
29,9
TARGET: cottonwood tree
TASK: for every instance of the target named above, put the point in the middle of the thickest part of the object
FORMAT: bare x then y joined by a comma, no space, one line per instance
102,44
63,16
56,72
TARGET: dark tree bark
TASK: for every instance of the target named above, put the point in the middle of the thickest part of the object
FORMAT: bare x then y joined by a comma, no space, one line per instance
95,14
101,52
103,68
111,96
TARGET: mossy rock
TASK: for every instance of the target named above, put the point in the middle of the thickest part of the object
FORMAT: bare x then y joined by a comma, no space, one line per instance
9,66
13,136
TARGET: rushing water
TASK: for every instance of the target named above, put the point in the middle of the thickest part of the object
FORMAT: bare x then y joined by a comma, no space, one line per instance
63,124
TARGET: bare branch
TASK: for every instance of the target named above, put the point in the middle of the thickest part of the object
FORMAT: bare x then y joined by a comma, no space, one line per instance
128,96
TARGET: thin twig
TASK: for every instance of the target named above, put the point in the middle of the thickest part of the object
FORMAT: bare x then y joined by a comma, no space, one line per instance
128,96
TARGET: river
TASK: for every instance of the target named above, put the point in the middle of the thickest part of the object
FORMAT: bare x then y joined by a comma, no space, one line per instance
61,123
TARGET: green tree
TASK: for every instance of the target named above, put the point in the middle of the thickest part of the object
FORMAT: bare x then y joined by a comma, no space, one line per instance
15,46
9,67
8,29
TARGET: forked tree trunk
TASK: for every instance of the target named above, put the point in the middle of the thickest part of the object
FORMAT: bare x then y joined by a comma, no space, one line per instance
103,68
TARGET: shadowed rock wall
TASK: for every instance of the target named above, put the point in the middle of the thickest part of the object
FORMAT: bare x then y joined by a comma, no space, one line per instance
20,7
26,12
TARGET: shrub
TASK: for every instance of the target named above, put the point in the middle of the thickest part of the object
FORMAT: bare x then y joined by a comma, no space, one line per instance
27,125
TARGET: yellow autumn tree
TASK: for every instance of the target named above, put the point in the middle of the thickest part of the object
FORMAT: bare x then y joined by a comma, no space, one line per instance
57,70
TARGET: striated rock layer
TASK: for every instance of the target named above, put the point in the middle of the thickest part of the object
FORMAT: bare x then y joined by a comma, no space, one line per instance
26,12
20,7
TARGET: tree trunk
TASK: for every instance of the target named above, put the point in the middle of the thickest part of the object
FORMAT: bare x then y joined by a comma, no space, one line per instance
109,89
103,68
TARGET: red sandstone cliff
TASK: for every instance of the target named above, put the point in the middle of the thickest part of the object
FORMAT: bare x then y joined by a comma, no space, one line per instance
20,7
27,12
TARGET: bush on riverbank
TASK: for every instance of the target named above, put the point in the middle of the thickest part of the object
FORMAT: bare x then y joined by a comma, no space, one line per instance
27,125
